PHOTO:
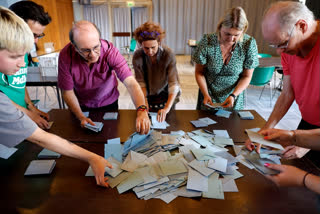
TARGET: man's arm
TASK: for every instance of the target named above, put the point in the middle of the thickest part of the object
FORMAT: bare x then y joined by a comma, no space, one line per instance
202,84
42,123
282,105
142,121
62,146
73,104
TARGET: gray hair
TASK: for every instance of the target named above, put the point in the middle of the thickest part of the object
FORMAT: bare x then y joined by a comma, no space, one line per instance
290,12
234,18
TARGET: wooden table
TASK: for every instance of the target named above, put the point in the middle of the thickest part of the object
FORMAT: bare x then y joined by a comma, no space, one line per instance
67,126
67,190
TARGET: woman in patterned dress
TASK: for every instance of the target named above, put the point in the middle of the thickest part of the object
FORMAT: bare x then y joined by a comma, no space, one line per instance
225,61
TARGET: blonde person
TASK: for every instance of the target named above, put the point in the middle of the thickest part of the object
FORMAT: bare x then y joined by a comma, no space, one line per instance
155,69
16,39
225,61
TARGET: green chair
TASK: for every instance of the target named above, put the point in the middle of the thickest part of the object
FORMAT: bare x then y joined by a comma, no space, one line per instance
129,50
262,76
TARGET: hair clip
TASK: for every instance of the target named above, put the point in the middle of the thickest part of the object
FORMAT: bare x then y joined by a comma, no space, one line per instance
146,34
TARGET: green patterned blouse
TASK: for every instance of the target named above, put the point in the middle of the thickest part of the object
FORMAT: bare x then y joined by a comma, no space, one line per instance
222,79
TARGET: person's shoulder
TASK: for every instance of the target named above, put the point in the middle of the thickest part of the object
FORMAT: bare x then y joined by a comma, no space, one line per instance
138,54
247,38
210,39
66,49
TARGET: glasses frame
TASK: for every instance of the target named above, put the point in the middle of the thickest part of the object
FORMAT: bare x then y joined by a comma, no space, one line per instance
87,52
38,36
285,45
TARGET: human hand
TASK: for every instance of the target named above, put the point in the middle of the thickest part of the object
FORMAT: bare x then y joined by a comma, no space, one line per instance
42,114
142,122
207,100
252,146
292,152
288,176
162,113
85,120
228,103
284,137
98,165
41,122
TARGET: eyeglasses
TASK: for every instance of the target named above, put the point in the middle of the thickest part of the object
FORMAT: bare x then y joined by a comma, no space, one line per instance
284,45
38,36
87,52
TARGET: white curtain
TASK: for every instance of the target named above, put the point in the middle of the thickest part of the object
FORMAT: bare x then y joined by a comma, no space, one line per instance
98,14
190,19
122,19
139,16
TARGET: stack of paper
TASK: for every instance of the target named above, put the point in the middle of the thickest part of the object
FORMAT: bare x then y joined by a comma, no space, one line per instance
155,123
40,167
96,128
45,153
203,122
214,105
246,115
110,116
223,113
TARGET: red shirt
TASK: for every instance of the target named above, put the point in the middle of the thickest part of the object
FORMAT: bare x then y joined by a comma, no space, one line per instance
305,81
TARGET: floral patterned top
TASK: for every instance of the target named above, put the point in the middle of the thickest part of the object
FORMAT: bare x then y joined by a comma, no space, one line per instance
222,79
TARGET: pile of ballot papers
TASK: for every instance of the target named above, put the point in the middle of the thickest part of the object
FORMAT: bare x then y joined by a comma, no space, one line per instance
96,128
199,166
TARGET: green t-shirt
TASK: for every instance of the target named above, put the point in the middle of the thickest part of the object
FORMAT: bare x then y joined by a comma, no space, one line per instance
14,85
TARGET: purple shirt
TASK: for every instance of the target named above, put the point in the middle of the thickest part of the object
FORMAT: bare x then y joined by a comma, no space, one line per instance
94,86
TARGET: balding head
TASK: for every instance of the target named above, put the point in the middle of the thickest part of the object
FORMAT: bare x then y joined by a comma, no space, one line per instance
85,37
82,29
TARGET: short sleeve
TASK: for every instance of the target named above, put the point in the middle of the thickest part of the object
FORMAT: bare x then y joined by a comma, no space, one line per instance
251,61
15,126
65,80
200,54
117,62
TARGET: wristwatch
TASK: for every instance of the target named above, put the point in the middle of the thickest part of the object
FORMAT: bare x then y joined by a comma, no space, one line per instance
232,95
142,108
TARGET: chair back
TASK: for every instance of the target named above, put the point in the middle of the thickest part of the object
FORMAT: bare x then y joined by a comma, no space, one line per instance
133,44
263,55
261,76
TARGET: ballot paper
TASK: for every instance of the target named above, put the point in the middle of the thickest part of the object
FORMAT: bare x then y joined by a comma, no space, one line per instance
40,167
45,153
215,188
113,149
156,124
110,116
221,133
198,123
214,105
207,120
201,167
246,115
86,113
223,113
218,163
259,163
6,152
96,128
258,138
49,125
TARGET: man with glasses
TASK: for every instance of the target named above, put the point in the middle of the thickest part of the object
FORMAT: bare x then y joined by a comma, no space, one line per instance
87,74
290,27
14,86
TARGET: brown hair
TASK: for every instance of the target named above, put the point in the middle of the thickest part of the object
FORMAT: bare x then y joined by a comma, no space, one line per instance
149,31
234,18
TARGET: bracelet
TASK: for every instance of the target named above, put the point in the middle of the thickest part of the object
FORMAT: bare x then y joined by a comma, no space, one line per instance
304,179
232,95
294,136
142,108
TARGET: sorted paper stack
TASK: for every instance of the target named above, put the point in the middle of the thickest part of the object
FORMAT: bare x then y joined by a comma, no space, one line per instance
45,153
223,113
40,167
110,116
246,115
97,128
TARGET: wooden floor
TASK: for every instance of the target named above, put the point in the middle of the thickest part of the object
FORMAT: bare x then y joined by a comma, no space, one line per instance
189,96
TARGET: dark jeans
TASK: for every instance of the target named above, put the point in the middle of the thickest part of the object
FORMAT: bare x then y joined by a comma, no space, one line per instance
312,155
111,107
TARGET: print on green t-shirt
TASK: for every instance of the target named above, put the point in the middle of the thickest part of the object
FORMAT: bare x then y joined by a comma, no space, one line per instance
14,85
